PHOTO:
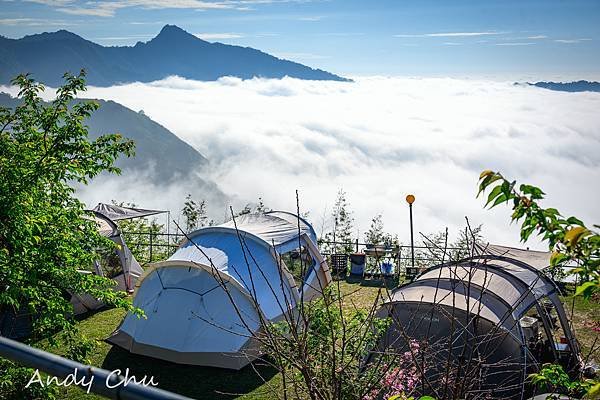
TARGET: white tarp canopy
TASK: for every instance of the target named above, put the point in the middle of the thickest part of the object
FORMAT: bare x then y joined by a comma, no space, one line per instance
116,213
191,316
275,227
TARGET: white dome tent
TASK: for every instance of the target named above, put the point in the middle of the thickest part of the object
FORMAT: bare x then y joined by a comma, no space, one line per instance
192,319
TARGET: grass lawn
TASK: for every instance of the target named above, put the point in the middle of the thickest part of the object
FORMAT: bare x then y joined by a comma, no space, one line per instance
213,383
586,313
195,382
192,381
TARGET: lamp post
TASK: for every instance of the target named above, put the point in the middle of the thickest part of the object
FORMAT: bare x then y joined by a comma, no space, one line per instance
410,199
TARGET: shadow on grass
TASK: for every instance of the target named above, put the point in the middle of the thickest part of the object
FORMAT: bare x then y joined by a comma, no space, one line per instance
189,380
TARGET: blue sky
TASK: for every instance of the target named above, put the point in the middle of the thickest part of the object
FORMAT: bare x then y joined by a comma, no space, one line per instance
430,38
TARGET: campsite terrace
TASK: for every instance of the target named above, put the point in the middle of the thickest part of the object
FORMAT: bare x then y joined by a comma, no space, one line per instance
182,343
216,383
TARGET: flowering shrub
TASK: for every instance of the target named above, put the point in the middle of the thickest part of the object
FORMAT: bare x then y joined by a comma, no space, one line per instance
400,381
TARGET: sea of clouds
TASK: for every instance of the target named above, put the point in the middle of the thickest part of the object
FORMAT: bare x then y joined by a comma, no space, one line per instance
379,139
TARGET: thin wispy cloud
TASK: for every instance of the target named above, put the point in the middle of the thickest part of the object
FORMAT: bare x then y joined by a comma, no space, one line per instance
52,3
265,34
35,22
572,41
452,44
341,34
109,8
464,34
537,37
314,18
147,23
515,44
219,36
449,34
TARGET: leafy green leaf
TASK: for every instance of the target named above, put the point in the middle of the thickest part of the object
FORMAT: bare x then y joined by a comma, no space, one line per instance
586,289
495,192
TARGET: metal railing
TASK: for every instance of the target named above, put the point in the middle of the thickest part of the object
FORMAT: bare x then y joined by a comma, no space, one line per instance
154,241
407,260
397,249
104,383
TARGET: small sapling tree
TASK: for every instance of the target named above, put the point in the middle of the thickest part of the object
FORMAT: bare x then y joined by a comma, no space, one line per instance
45,234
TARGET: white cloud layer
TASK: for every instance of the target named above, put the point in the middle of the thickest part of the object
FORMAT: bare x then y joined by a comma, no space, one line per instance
382,138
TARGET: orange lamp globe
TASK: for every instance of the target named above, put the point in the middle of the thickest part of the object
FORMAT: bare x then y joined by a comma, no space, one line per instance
410,199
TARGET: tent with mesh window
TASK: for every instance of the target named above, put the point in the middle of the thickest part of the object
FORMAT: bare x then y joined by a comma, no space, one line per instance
119,265
497,315
205,303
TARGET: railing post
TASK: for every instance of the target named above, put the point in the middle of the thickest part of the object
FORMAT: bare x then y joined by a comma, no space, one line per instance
150,246
410,199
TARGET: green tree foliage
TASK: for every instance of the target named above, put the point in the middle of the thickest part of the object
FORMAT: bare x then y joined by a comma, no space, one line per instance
321,353
570,242
260,207
568,238
139,234
439,250
554,379
45,234
375,235
194,214
463,246
343,226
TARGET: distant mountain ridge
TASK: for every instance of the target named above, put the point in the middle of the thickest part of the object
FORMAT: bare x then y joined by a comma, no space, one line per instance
172,52
579,86
160,155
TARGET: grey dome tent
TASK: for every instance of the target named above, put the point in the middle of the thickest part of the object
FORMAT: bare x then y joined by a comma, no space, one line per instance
539,260
193,319
494,314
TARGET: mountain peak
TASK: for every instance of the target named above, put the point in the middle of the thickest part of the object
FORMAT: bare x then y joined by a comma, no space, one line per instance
173,32
171,29
172,52
58,35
